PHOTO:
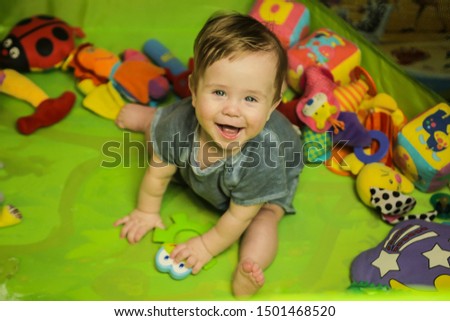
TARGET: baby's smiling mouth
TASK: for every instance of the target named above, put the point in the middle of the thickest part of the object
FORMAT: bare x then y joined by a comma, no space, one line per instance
228,131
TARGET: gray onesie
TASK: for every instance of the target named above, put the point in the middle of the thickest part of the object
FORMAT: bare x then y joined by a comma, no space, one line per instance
265,171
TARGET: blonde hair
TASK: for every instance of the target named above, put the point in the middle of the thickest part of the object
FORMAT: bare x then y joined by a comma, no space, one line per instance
227,35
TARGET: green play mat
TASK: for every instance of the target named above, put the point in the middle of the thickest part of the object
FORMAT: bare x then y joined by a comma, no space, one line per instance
66,247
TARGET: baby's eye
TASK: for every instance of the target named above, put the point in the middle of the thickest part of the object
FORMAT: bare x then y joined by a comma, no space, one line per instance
219,92
250,99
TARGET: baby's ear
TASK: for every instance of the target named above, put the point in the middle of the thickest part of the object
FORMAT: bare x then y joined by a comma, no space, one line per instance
274,106
278,101
283,88
192,89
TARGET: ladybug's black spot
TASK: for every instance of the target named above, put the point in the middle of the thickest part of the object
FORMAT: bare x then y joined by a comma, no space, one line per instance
44,47
60,33
45,17
24,22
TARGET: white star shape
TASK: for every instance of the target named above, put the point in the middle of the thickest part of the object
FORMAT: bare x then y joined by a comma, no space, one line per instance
386,262
437,257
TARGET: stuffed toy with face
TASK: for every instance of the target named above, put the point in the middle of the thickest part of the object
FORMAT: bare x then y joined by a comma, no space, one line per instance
35,44
385,189
38,43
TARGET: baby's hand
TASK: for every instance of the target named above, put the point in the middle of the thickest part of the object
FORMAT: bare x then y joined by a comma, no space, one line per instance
137,224
193,252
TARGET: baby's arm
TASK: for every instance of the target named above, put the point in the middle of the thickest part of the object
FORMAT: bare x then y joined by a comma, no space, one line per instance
145,216
199,250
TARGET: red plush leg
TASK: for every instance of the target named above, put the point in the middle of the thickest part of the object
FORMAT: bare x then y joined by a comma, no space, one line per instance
289,110
180,82
48,112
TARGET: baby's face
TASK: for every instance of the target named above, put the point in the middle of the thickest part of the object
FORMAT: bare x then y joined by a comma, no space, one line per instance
234,99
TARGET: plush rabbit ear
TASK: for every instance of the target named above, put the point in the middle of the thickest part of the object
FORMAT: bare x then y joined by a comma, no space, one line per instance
388,202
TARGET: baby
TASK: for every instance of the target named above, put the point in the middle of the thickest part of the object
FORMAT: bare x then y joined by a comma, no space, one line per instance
228,144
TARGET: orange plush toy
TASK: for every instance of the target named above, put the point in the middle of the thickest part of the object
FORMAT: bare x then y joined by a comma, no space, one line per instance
108,82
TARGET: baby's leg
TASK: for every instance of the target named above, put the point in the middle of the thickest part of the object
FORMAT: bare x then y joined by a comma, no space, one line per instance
135,117
257,250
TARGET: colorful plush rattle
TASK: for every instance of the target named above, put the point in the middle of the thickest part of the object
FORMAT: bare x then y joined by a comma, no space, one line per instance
166,265
179,232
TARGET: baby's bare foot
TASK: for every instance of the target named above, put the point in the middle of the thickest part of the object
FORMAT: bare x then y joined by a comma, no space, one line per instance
135,117
248,279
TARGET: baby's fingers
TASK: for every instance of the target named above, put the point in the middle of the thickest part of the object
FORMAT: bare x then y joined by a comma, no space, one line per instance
122,220
180,253
190,261
160,224
138,234
195,264
128,231
196,268
132,232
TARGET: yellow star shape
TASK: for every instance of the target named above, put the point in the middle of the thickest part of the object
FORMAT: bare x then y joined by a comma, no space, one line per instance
386,262
437,257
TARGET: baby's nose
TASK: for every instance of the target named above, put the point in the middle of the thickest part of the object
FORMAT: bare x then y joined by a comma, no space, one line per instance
231,108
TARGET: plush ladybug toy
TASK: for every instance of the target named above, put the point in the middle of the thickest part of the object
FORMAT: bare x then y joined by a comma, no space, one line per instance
37,43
